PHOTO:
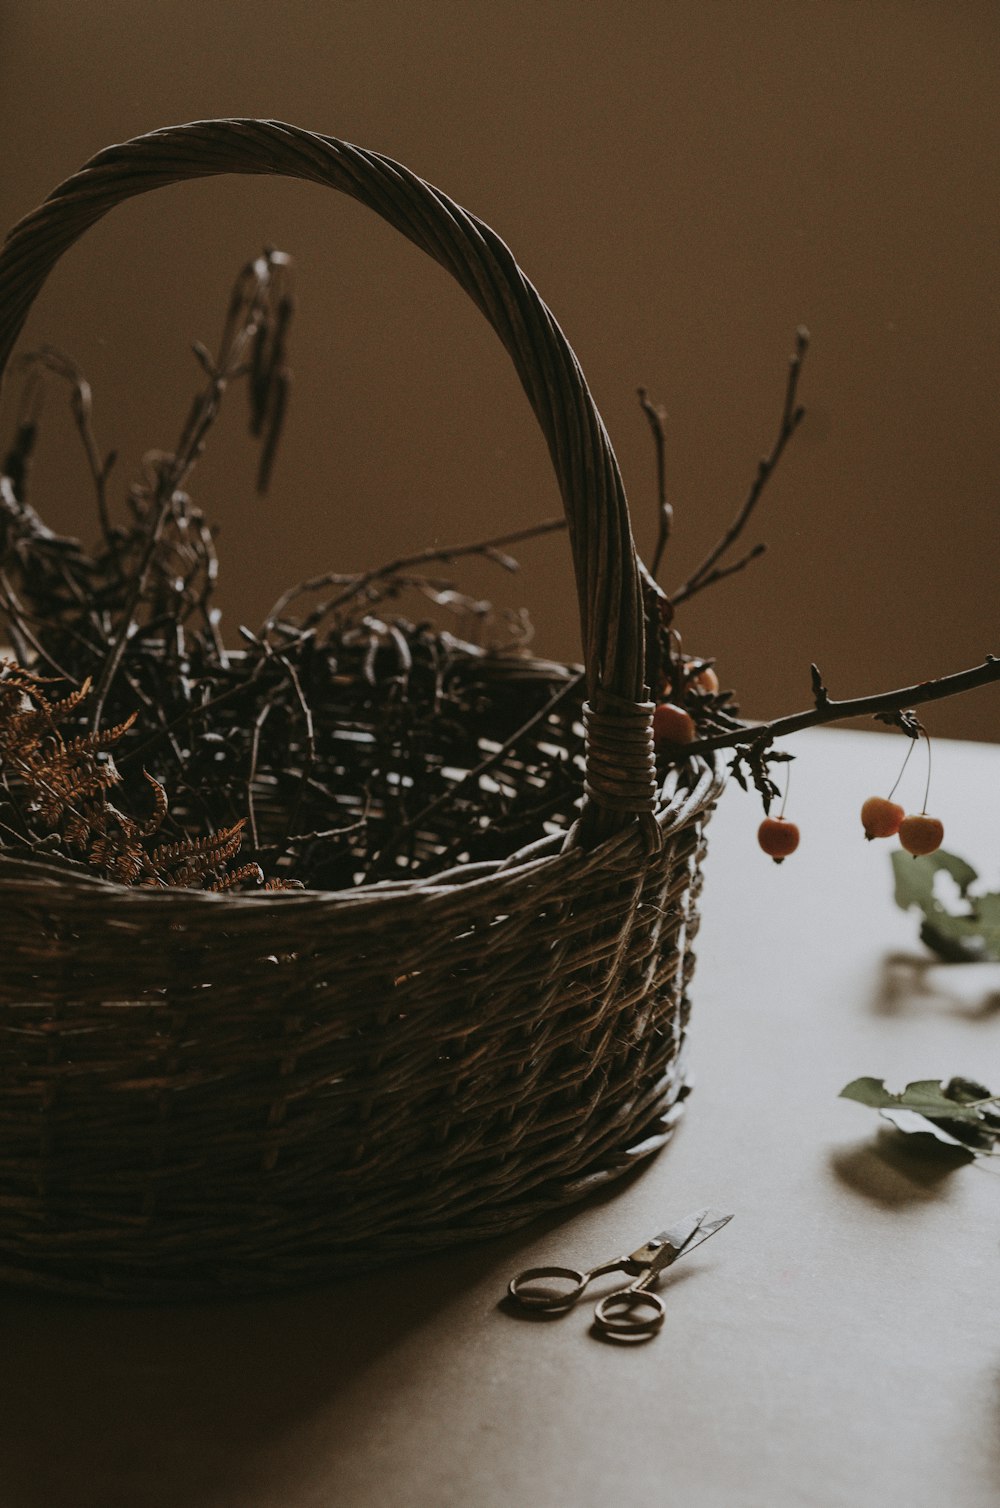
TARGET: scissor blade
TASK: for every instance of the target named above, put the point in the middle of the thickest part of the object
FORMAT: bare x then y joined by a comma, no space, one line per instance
665,1248
681,1238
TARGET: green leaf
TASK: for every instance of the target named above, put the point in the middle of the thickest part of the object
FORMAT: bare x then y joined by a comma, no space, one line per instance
952,949
987,912
965,935
868,1092
965,1111
928,1097
915,877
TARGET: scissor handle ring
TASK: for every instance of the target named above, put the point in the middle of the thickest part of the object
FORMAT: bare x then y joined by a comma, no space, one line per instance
630,1312
519,1288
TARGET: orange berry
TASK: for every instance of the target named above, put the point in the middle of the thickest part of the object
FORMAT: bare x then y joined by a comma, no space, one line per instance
880,817
778,838
707,681
921,834
671,726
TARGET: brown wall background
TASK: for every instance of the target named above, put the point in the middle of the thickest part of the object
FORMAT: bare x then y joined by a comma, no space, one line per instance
684,183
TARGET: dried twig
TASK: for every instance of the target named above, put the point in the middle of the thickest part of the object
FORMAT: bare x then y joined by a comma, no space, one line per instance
791,416
51,360
657,414
356,585
247,317
719,573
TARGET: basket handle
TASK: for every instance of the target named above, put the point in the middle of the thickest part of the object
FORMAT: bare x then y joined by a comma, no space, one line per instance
621,780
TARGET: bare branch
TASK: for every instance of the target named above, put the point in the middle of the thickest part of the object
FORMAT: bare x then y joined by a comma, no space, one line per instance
792,415
830,711
656,414
719,573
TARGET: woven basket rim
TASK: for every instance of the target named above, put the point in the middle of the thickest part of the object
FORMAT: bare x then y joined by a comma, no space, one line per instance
674,811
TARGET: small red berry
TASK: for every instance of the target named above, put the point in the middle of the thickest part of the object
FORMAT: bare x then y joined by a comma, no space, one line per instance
921,834
778,838
671,726
880,818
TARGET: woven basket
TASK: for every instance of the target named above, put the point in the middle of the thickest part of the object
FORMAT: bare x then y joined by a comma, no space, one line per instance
204,1093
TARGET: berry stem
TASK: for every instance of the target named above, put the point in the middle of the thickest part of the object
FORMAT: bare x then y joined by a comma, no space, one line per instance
784,799
927,787
903,771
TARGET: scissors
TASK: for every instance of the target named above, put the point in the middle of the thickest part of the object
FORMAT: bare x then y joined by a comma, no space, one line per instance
632,1311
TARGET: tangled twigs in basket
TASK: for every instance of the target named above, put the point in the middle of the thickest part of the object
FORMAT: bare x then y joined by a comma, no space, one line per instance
393,572
248,322
343,741
88,614
20,629
470,780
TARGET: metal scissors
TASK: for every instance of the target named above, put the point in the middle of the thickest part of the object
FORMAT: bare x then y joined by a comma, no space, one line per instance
633,1311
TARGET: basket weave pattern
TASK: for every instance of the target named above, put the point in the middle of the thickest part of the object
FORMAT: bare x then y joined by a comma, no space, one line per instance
206,1093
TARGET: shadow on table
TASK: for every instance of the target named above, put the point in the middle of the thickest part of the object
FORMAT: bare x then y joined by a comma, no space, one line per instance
911,983
117,1408
895,1170
207,1405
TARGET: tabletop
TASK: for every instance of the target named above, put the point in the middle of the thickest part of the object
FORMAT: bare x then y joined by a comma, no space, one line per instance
836,1345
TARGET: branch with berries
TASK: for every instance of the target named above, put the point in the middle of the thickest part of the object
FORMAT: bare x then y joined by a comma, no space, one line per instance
694,717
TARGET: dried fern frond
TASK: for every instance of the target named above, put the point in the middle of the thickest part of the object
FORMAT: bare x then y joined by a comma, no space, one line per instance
160,808
61,784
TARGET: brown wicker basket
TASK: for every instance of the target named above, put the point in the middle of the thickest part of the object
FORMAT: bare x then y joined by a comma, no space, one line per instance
204,1093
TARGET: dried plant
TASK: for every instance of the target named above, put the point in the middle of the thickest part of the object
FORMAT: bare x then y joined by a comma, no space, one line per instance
57,796
273,739
343,742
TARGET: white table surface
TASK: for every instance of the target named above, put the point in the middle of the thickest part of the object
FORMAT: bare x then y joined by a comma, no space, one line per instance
836,1346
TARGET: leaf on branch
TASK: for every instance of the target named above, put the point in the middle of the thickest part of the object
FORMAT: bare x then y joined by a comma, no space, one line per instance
753,763
960,1113
906,721
966,932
